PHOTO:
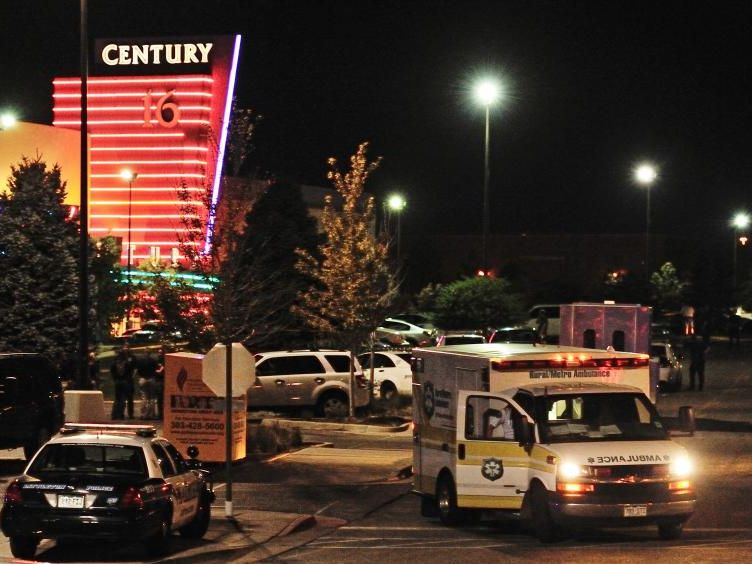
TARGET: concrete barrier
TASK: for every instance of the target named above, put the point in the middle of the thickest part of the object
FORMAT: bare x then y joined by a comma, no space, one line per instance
84,406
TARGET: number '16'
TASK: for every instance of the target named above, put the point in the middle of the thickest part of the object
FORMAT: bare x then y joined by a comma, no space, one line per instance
161,106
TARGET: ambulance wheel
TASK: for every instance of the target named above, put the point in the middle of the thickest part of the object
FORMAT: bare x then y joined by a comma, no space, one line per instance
446,501
670,531
543,524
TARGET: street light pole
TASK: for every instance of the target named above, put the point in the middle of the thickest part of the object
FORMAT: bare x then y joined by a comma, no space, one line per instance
740,221
130,177
487,92
646,174
396,203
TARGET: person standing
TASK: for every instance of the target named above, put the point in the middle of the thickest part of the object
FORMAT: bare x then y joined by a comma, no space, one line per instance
541,326
697,350
123,370
93,365
159,376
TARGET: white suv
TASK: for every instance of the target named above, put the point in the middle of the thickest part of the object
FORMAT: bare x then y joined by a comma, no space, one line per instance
317,379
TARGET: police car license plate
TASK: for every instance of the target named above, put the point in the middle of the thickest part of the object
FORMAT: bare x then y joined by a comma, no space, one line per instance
635,510
70,501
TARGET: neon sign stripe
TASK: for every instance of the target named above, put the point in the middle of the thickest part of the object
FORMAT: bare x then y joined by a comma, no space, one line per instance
177,174
176,148
133,94
144,202
222,142
145,216
125,122
129,161
146,230
128,109
95,81
125,190
118,135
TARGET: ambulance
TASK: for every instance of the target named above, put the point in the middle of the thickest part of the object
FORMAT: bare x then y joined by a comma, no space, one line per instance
561,438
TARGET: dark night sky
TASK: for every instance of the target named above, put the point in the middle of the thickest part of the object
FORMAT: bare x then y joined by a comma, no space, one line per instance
592,88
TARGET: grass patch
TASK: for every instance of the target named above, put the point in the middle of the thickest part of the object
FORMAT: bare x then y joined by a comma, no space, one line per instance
272,439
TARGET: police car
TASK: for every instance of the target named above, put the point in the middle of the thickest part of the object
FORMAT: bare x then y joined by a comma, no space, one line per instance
113,482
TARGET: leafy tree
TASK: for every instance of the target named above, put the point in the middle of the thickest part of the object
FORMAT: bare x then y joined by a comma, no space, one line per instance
667,290
38,259
477,303
353,284
107,290
262,269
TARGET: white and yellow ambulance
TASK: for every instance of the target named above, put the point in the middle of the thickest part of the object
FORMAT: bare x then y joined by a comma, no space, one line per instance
562,438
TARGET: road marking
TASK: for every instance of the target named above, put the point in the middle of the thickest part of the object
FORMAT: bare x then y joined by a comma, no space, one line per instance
320,511
360,528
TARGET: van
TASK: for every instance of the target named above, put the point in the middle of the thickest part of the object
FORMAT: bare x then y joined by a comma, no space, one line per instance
31,401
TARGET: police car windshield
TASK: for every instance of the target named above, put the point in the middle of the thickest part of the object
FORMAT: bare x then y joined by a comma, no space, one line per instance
598,417
89,459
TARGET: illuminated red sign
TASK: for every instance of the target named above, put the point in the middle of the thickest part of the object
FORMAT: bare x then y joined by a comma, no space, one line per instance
168,129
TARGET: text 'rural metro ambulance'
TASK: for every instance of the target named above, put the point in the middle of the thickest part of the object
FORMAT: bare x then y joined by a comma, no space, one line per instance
561,437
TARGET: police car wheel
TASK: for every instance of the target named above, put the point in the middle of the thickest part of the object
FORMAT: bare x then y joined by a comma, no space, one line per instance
200,524
24,547
159,543
446,500
543,525
670,531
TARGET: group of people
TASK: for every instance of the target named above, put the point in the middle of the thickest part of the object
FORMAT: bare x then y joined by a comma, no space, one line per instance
148,376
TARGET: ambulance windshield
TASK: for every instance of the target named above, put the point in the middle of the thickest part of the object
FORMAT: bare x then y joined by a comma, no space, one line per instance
598,417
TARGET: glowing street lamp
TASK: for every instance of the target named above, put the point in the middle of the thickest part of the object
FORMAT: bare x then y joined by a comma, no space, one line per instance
645,174
487,92
129,176
7,120
740,222
396,203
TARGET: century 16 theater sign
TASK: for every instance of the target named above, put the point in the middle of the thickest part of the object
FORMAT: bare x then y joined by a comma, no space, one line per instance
158,108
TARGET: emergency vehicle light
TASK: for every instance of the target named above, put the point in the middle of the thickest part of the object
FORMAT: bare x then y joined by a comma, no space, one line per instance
561,361
574,488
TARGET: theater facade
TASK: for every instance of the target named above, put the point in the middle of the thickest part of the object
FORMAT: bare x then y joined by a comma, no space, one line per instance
159,109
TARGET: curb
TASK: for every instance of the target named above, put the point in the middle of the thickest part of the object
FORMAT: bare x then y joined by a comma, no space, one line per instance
327,426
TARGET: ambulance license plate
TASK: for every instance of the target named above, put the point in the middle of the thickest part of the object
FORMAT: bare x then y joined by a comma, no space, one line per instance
635,510
70,501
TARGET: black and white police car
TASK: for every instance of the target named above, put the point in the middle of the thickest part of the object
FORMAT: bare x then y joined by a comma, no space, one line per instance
111,482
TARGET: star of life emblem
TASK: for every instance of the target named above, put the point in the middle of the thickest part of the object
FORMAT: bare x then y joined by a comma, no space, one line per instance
492,469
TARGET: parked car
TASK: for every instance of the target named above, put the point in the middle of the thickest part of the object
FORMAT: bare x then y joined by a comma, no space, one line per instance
392,375
416,319
31,401
513,335
414,334
459,339
122,483
670,375
307,379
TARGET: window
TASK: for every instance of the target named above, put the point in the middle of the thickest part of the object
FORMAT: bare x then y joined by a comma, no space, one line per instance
90,459
282,365
588,339
340,362
177,458
618,340
489,419
396,325
165,463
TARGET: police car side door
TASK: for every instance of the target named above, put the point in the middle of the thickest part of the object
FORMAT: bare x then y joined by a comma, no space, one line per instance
190,484
172,477
491,466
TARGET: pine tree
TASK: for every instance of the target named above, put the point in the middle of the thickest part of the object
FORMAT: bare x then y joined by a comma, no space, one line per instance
38,261
261,274
354,285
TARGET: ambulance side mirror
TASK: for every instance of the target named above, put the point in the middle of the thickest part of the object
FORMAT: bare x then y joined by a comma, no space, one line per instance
687,419
523,430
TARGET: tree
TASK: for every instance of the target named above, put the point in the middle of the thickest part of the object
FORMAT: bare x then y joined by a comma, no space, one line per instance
263,268
477,303
353,284
667,290
107,290
38,259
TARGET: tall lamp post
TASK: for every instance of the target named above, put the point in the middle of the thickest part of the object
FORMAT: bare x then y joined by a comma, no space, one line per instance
487,93
740,222
129,176
645,175
396,203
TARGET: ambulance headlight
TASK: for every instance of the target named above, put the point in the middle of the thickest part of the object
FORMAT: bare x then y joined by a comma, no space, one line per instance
681,467
570,470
